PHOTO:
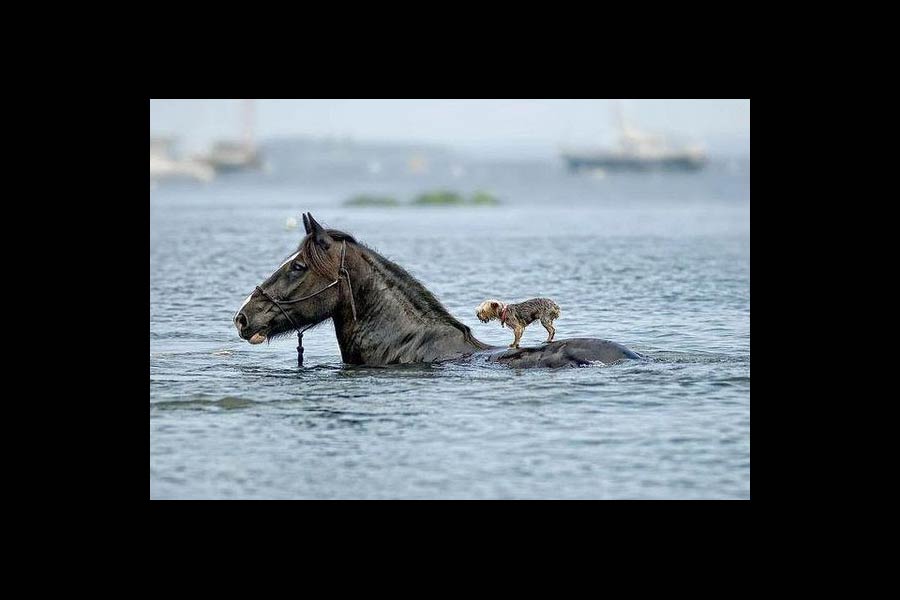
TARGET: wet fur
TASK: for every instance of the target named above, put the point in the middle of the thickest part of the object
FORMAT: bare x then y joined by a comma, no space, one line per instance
520,315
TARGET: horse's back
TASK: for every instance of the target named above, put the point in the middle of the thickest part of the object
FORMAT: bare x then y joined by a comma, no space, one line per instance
564,353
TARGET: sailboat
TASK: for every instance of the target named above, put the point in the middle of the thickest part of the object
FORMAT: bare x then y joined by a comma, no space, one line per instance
636,151
164,165
237,155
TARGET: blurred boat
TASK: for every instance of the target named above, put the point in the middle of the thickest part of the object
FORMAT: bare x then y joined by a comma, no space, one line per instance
164,165
636,151
417,164
230,155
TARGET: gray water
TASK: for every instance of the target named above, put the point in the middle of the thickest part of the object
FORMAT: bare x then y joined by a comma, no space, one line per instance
660,263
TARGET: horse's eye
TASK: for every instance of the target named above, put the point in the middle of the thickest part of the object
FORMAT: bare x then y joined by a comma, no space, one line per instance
298,266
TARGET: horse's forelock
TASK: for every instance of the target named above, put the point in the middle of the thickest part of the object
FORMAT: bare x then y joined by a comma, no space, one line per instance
324,263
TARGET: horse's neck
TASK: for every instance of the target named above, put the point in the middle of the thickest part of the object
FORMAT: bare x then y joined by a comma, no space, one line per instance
391,325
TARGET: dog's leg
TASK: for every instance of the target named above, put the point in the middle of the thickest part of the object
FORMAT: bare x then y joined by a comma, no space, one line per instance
518,331
551,331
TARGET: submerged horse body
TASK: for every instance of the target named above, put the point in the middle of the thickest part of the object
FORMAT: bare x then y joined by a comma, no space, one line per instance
382,315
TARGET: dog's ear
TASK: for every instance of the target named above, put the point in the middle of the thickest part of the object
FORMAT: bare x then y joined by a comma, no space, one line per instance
495,305
320,236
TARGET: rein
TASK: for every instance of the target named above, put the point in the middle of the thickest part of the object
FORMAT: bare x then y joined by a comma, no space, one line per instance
342,272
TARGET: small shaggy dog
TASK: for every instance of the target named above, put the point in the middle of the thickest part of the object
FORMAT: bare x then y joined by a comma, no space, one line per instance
519,316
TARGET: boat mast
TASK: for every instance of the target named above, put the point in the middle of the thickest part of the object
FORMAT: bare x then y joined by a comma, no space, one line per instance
619,116
249,114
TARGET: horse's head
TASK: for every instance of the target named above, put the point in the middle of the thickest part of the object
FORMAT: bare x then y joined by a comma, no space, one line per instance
304,290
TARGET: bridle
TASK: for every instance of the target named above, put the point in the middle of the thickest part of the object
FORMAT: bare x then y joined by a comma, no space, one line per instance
342,272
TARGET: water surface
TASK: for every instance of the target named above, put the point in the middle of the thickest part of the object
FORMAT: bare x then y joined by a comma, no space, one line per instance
660,263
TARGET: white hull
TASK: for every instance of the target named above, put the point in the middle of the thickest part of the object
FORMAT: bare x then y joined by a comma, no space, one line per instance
166,168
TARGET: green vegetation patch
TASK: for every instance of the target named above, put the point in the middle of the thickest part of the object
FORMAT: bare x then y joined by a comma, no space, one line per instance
433,198
485,198
364,200
448,198
439,198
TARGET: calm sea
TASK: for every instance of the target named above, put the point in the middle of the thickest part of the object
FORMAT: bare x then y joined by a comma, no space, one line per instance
658,262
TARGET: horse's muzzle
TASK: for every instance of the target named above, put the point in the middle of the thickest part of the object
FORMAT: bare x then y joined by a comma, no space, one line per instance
240,321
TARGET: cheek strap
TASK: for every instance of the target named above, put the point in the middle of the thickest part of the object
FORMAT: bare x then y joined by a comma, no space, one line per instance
342,273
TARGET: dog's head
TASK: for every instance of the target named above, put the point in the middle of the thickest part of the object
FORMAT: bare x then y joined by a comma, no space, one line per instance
488,310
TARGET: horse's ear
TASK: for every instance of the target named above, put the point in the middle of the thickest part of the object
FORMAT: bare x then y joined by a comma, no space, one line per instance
320,236
306,224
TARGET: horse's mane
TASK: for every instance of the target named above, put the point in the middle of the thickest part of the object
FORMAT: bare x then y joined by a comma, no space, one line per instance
328,265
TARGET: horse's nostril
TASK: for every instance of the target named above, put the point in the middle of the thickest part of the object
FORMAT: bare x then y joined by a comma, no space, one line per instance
240,320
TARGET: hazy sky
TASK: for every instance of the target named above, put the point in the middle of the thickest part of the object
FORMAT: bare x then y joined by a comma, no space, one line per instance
500,127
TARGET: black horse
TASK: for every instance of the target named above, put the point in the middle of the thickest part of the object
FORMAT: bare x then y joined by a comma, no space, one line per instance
382,315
